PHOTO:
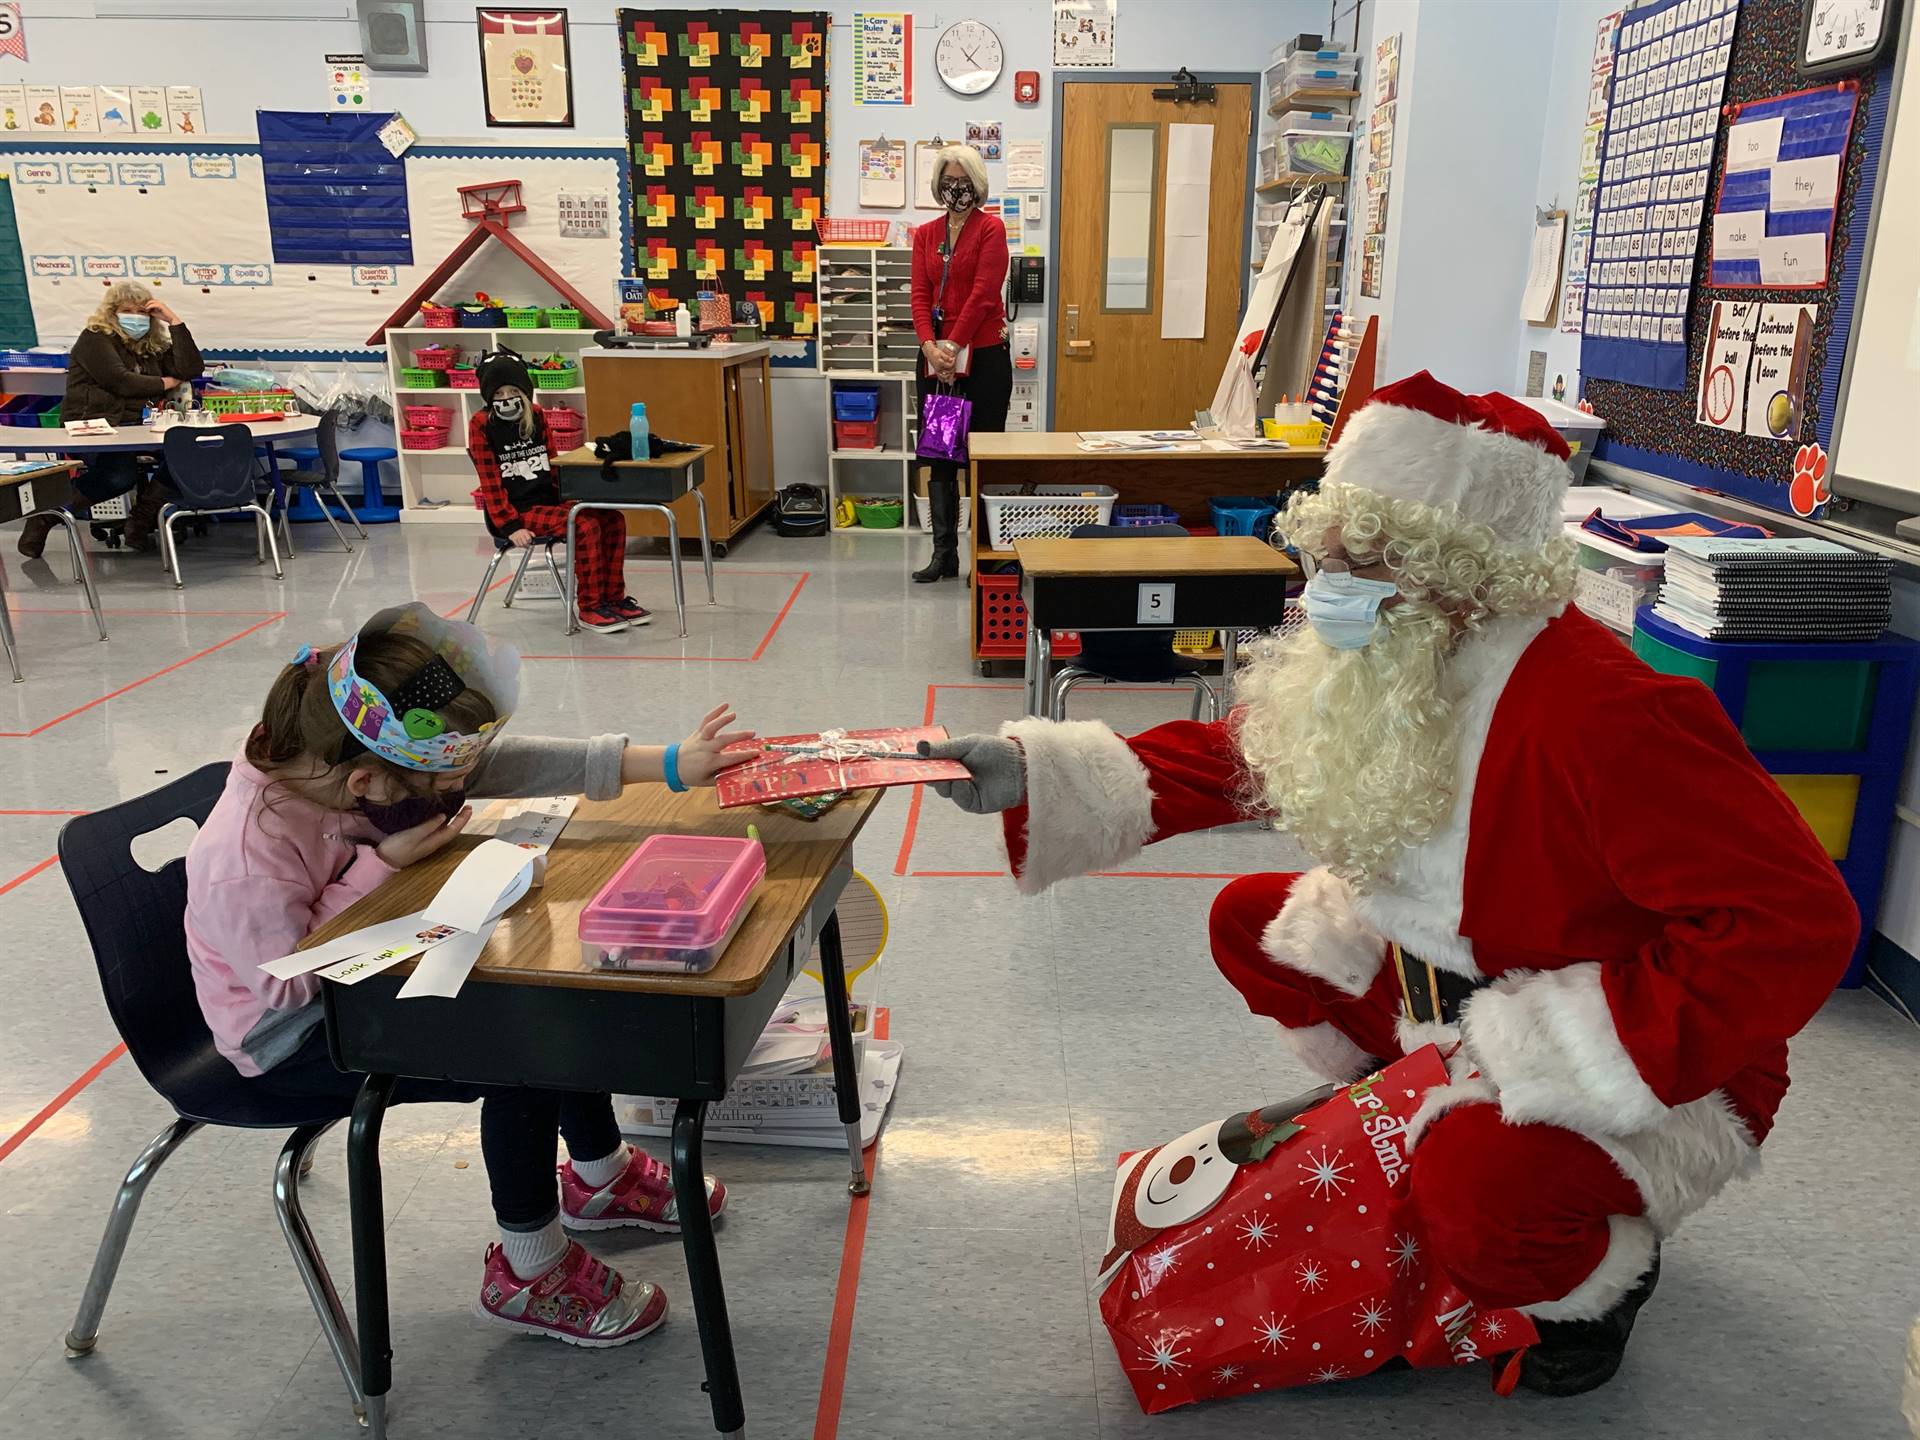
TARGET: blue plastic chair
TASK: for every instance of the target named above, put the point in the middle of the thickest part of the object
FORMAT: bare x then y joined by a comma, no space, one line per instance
135,920
211,469
322,482
1130,657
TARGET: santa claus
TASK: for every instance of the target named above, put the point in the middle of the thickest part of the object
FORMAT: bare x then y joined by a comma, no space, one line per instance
1565,868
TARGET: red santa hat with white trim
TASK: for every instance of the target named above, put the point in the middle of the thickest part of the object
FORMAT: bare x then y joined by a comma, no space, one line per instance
1490,459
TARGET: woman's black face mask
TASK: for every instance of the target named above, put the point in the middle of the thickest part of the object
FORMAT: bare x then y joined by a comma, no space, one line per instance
958,194
412,811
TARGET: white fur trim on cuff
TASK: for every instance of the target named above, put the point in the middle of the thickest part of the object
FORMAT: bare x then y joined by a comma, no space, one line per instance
1318,933
1417,1034
1684,1161
1548,1041
1442,1098
1089,803
1327,1052
1630,1252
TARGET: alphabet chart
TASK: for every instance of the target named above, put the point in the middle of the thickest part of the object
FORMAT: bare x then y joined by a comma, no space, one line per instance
1773,217
1670,69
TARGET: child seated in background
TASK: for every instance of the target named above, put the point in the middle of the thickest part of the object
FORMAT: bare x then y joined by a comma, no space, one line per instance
513,451
359,767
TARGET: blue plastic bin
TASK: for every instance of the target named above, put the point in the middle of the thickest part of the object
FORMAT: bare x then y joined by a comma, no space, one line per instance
1145,515
1243,514
856,402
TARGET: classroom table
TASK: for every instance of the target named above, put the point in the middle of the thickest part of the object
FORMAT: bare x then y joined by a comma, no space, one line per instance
24,440
1203,582
532,1013
638,485
16,503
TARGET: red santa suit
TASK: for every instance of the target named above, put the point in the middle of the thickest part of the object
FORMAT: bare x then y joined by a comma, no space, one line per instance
1646,915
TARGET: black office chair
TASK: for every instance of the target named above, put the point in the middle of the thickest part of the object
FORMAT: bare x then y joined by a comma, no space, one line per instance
324,483
1130,657
135,920
211,470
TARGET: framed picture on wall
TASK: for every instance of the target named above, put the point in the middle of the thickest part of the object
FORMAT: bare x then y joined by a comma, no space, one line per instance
526,70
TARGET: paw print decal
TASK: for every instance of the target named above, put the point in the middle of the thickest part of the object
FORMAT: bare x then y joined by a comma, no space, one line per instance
1809,489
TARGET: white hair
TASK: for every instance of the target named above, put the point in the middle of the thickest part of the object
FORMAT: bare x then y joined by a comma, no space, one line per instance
968,159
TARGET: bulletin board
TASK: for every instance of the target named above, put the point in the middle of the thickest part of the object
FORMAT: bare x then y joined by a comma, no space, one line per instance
727,122
191,221
1658,431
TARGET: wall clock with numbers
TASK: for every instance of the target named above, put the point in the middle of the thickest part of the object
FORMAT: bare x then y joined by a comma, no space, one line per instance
968,57
1837,36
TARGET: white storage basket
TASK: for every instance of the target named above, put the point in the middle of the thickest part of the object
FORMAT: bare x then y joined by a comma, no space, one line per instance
1050,510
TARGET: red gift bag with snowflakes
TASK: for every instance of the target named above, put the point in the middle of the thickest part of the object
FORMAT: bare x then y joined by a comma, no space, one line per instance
1273,1249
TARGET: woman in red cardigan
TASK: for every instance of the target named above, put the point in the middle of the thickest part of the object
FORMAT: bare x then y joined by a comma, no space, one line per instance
959,274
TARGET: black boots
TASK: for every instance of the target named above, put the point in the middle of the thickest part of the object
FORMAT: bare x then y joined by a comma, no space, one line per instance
943,507
1575,1356
144,514
33,536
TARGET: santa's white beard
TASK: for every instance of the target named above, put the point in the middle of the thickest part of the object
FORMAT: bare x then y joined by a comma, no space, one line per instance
1354,752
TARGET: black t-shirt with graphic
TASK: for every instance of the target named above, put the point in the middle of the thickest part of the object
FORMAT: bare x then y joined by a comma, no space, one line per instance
526,472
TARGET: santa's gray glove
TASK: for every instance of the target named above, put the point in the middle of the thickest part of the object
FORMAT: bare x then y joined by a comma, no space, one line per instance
998,772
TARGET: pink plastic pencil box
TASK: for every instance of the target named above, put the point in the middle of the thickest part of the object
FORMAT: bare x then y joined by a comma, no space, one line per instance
674,905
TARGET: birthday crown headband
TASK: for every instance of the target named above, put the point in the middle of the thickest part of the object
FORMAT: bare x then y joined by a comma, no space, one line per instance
406,727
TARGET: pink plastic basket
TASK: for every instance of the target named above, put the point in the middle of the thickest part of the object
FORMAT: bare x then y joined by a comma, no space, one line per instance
428,417
463,379
434,357
438,317
674,905
435,439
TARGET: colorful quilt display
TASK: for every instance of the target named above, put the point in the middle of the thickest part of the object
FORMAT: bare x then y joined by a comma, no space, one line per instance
727,134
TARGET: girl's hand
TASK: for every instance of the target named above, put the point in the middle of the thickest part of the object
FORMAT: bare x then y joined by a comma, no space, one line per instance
405,847
520,538
700,757
162,311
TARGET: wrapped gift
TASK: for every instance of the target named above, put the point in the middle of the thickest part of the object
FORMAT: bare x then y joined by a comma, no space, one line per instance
1276,1248
789,766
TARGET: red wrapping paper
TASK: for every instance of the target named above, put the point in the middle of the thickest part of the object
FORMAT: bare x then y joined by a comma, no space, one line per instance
775,777
1249,1255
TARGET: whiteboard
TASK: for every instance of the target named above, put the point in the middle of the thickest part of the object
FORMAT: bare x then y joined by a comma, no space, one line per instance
1873,432
193,225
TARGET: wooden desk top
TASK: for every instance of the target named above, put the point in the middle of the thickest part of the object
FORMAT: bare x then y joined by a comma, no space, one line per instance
538,943
27,477
677,460
1065,445
1153,557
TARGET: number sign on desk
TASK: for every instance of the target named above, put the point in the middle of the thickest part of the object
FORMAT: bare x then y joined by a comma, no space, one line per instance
1156,604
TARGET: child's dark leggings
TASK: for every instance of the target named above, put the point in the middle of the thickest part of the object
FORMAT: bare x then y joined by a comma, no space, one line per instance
518,1127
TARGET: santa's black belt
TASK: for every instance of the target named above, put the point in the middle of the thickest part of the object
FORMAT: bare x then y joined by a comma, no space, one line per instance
1431,995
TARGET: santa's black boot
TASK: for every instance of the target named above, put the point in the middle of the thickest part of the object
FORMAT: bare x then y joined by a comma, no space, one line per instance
1575,1356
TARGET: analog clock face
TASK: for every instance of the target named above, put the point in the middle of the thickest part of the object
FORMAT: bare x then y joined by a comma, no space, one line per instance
969,57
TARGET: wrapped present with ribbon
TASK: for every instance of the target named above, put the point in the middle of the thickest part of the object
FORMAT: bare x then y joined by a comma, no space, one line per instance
787,767
1275,1248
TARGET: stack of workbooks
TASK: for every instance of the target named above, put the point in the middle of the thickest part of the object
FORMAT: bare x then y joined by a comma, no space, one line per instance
1782,589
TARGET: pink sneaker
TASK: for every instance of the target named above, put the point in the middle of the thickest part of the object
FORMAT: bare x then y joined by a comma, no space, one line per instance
580,1301
642,1195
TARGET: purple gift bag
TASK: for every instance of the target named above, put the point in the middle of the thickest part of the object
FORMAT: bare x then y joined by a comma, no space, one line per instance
943,427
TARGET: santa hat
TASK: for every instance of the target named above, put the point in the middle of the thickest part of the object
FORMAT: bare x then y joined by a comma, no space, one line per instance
1489,459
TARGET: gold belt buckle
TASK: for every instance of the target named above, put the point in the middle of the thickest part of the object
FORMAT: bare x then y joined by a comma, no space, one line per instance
1426,1008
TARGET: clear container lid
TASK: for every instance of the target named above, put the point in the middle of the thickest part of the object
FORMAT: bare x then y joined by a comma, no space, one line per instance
679,891
1333,122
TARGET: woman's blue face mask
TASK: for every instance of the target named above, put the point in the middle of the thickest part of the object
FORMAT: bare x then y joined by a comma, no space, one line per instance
135,327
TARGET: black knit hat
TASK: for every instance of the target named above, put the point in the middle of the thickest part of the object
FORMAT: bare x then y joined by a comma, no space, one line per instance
504,367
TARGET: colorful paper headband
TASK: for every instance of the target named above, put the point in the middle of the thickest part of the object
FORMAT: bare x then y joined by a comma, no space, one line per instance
406,728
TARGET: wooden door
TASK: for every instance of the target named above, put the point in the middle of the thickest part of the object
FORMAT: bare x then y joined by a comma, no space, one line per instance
1113,371
750,420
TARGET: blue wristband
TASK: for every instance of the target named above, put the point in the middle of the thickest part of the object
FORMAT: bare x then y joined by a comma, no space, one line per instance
670,770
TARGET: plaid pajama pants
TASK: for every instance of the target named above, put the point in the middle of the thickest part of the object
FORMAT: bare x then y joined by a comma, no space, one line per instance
599,553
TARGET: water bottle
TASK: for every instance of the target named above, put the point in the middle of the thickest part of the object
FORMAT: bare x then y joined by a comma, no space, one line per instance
637,431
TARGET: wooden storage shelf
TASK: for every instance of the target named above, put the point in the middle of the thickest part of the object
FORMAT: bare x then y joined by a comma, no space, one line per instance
1308,98
1293,179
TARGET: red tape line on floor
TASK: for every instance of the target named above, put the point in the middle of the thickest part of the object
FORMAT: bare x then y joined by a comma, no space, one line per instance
59,1102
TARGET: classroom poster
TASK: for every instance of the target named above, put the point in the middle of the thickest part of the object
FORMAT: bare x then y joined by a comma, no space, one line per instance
1777,379
1573,289
727,144
1722,401
882,59
1773,217
346,81
1083,34
525,69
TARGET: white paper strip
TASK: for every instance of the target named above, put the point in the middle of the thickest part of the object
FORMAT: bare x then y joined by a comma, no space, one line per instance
360,942
1183,232
473,894
446,967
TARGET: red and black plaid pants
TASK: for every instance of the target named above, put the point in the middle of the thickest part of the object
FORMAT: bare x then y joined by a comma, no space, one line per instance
599,551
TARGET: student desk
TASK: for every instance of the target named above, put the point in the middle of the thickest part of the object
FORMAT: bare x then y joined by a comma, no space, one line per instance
532,1013
638,485
16,503
1223,582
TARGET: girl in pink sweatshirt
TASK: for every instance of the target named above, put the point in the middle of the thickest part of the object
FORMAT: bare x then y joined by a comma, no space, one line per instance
361,765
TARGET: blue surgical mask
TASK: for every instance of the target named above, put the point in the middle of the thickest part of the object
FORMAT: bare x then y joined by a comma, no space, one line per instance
1344,608
135,327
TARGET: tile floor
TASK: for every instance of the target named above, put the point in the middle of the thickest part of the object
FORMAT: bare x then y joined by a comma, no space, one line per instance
1042,1037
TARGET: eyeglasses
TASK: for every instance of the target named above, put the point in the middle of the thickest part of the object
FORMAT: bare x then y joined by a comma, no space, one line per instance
1311,565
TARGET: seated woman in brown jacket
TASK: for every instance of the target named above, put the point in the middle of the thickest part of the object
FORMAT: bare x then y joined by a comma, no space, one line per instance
134,352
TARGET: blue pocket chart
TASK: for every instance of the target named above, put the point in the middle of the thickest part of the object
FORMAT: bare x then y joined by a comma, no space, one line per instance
1773,218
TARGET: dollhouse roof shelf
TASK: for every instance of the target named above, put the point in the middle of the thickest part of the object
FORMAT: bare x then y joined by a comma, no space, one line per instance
491,201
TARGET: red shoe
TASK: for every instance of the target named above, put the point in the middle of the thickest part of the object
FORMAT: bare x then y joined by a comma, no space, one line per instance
604,618
579,1300
642,1195
630,610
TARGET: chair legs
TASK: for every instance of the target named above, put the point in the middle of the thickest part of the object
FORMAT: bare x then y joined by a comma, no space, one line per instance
265,541
519,575
286,526
352,519
1206,700
486,583
126,1208
295,1159
82,575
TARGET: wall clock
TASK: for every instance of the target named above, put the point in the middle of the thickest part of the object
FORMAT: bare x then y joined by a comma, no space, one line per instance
968,57
1841,35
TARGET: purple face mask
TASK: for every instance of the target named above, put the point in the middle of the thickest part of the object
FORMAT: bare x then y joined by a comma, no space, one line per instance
412,811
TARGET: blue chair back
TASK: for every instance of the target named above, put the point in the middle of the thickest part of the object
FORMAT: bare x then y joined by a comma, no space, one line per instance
212,468
1146,656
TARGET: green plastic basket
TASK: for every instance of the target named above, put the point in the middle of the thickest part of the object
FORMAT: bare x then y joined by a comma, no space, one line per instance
248,402
50,419
562,317
522,317
878,514
565,379
414,378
